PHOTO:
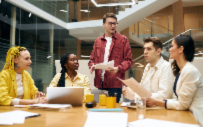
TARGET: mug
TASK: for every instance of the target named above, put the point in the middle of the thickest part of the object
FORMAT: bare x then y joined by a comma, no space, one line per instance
110,102
102,99
89,98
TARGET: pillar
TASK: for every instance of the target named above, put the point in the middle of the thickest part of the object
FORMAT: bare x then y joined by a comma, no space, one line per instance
51,38
13,26
51,50
178,21
79,48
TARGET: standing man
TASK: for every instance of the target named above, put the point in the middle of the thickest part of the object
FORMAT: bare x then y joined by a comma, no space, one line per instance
111,46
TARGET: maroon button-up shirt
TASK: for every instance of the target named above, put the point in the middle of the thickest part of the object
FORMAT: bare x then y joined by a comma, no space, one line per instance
120,52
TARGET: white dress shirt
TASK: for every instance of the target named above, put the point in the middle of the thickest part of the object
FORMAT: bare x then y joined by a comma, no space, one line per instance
189,89
20,91
158,80
106,54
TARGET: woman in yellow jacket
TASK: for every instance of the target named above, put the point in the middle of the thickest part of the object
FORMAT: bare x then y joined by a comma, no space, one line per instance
16,85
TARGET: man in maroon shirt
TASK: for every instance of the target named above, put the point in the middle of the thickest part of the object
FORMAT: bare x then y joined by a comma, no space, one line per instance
111,46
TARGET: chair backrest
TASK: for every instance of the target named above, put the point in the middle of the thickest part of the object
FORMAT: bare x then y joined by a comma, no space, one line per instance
83,69
197,62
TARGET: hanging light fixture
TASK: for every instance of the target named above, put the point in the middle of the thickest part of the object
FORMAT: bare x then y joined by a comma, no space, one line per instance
113,4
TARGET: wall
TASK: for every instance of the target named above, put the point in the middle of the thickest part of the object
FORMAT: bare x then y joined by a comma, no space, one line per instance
193,19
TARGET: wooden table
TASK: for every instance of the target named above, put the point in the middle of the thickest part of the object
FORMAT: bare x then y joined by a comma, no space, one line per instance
76,117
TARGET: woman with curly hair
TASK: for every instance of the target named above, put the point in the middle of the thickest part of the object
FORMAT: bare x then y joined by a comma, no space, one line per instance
69,77
16,85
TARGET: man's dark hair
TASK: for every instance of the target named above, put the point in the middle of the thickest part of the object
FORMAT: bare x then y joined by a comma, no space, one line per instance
156,42
109,15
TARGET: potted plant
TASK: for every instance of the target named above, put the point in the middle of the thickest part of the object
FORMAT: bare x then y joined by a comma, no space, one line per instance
75,9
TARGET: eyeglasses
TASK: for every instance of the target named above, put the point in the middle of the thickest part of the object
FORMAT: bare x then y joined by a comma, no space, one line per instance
110,23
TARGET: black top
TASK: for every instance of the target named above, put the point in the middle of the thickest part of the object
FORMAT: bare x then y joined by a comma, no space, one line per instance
175,84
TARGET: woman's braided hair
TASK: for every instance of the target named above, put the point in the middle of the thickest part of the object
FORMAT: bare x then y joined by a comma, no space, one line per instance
64,59
11,54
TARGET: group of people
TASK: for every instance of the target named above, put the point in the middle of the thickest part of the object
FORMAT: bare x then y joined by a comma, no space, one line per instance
160,78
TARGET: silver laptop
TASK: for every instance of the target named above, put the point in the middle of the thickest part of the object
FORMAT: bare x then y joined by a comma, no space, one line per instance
65,95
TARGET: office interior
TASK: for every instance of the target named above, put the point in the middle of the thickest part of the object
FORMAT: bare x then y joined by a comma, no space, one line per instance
49,29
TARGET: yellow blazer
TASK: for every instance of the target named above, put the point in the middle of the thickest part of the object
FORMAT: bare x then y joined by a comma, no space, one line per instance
8,86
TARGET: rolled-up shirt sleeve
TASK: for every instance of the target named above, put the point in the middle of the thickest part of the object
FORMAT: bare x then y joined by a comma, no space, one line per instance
15,101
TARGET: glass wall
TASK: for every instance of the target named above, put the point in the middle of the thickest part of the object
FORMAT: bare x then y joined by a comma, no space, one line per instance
45,41
78,10
57,8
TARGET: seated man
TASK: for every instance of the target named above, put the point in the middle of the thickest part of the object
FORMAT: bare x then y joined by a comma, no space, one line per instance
158,76
69,77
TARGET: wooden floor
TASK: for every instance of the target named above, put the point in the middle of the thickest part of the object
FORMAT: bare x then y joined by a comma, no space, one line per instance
76,116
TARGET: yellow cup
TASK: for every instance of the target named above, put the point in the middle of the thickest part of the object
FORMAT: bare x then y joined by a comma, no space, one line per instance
102,99
110,102
89,98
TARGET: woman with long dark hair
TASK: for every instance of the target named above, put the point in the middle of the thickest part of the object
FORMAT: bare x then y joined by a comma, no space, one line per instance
188,85
69,77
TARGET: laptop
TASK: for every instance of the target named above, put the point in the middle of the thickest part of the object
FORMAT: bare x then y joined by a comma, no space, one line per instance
65,95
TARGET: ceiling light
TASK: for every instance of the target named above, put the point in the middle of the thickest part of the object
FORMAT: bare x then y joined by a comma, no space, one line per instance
85,10
85,56
113,4
48,57
63,11
30,14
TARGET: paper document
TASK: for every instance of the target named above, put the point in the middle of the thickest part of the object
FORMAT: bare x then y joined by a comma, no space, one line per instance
158,123
105,66
125,104
106,119
107,110
148,108
136,87
23,113
5,120
15,117
51,106
20,106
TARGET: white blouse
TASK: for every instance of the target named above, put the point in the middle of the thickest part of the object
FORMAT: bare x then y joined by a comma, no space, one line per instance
20,91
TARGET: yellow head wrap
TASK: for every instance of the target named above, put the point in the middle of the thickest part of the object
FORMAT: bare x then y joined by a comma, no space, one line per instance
11,54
